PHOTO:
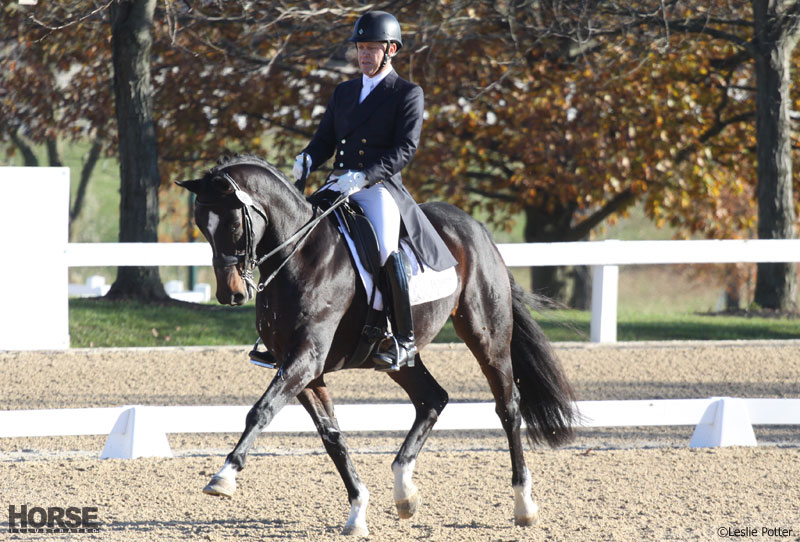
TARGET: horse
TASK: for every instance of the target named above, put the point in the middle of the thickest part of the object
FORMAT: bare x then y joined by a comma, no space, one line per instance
310,310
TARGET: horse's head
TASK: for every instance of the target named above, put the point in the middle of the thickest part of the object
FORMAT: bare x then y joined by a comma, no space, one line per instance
233,223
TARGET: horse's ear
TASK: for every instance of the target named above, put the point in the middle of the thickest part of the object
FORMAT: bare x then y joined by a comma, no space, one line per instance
192,185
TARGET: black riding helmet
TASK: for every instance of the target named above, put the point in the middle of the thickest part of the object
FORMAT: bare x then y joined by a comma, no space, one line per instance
378,26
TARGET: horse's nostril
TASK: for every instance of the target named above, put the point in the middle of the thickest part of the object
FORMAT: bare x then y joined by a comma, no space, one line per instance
239,299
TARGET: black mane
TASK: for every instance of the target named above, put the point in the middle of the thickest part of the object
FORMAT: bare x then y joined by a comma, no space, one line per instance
227,161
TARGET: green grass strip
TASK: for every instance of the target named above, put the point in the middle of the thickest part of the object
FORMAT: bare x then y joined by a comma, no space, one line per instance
102,323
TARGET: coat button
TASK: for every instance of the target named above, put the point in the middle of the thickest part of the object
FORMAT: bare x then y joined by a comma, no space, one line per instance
344,141
341,153
363,140
360,165
361,153
341,164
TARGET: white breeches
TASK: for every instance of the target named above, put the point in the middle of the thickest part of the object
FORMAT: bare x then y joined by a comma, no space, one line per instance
380,208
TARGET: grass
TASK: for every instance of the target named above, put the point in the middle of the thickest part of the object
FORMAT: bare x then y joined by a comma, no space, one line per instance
102,323
569,325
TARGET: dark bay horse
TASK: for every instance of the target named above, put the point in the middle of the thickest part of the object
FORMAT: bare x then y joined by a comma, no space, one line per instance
310,316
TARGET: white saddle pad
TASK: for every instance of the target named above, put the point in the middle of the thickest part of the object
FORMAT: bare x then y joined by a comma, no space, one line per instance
425,284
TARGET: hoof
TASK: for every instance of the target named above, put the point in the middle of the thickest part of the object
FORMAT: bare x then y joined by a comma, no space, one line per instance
221,487
355,530
407,507
527,521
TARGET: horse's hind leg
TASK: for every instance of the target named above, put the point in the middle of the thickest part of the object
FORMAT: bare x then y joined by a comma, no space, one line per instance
490,343
317,401
506,396
429,399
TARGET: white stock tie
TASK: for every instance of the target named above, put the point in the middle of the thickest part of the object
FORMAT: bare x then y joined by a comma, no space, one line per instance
365,91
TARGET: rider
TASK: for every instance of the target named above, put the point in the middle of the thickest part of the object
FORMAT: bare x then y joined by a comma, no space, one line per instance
372,126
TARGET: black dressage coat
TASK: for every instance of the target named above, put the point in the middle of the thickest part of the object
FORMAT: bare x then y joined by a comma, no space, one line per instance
379,137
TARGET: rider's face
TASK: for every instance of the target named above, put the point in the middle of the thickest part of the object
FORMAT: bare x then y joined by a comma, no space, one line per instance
370,54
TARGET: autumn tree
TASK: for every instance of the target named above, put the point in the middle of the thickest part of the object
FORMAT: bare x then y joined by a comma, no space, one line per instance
569,116
131,44
756,42
53,92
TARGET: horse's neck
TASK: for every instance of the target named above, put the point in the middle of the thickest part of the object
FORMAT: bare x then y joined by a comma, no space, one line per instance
288,212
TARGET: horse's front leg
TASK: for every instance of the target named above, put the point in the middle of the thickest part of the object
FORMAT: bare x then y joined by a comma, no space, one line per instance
287,383
317,401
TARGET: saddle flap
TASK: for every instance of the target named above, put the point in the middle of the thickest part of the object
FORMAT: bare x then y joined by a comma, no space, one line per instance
364,237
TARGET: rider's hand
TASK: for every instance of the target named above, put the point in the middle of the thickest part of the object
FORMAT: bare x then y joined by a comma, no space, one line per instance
301,167
350,183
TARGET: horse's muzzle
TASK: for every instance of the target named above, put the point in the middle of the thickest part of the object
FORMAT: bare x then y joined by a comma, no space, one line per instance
231,288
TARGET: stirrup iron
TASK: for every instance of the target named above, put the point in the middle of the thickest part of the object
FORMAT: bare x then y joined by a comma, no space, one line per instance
262,358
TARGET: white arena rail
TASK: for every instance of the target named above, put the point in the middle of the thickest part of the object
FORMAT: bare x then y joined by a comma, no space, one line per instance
140,431
604,257
49,256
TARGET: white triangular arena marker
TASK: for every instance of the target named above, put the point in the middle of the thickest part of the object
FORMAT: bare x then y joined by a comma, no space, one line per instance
729,426
137,433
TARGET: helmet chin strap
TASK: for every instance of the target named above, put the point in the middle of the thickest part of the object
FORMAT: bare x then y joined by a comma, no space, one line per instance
386,58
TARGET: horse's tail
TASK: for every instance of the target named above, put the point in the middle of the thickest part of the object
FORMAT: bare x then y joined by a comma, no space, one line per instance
546,397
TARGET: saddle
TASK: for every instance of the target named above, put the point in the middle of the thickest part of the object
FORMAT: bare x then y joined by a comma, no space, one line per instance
350,216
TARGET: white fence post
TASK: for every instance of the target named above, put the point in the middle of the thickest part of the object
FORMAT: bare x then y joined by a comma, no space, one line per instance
605,285
34,221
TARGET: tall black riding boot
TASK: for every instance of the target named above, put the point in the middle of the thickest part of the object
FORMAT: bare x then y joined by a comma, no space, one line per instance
402,348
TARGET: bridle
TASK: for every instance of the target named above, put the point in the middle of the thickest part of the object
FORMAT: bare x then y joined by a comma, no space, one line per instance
245,259
249,259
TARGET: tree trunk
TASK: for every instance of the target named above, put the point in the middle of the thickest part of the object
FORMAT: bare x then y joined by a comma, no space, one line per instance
27,151
776,283
550,224
86,175
131,41
53,157
581,297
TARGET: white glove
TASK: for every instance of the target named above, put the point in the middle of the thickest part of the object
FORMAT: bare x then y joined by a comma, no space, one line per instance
302,165
350,183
